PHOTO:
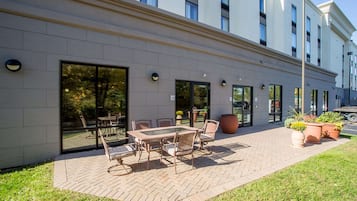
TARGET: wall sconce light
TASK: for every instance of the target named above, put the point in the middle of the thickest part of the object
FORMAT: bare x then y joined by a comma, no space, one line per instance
155,77
223,83
13,65
262,86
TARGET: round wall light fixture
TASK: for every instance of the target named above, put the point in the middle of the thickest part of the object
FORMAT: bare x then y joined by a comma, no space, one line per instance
13,65
155,77
223,83
262,86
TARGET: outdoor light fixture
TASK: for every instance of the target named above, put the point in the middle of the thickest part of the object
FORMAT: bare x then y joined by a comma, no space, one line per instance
262,86
13,65
223,83
155,77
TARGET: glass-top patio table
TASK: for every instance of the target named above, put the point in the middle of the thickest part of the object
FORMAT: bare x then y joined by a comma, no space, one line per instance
154,135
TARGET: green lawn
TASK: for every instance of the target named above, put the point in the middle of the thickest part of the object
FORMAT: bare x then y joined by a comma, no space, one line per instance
331,175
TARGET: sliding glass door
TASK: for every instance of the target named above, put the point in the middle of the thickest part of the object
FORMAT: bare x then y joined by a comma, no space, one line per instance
93,99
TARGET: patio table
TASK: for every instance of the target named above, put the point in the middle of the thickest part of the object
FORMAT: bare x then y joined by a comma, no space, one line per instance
158,134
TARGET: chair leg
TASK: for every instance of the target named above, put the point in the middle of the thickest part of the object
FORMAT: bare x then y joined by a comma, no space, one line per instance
192,159
122,171
148,162
175,164
202,148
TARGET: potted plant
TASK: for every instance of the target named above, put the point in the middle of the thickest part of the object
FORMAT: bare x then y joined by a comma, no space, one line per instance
313,129
332,124
335,133
179,114
293,116
297,136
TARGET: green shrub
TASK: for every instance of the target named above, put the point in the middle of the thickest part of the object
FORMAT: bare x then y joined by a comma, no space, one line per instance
330,117
288,122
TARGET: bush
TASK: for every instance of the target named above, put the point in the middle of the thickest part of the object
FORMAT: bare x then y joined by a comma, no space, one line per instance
330,117
288,121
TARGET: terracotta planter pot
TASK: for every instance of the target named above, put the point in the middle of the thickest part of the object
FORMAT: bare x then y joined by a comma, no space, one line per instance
229,123
297,139
313,133
329,130
334,134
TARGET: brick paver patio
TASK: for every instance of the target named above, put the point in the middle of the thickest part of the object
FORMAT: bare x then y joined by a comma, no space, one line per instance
237,159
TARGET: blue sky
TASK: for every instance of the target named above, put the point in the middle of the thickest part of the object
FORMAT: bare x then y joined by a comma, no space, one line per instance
348,7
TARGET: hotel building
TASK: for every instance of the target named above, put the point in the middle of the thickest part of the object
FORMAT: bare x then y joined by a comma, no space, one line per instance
77,66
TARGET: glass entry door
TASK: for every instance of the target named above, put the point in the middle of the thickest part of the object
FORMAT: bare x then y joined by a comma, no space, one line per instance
242,104
192,103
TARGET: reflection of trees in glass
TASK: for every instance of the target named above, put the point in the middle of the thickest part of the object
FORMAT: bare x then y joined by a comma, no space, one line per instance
200,96
111,91
77,91
237,94
183,96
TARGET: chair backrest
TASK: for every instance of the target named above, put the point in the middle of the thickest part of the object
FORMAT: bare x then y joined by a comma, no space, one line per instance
210,127
164,122
185,142
141,124
83,121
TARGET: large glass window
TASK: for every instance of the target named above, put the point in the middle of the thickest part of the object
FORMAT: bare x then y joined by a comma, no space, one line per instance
313,105
93,98
275,99
192,9
297,99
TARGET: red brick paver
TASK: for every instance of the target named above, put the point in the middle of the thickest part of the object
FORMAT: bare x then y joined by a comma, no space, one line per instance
235,160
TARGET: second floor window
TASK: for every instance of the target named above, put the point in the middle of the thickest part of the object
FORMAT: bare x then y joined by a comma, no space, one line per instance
225,15
319,45
293,44
192,9
293,14
150,2
263,25
308,39
293,31
262,6
263,36
225,23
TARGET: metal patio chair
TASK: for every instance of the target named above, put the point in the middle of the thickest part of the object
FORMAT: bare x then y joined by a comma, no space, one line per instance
182,145
118,153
